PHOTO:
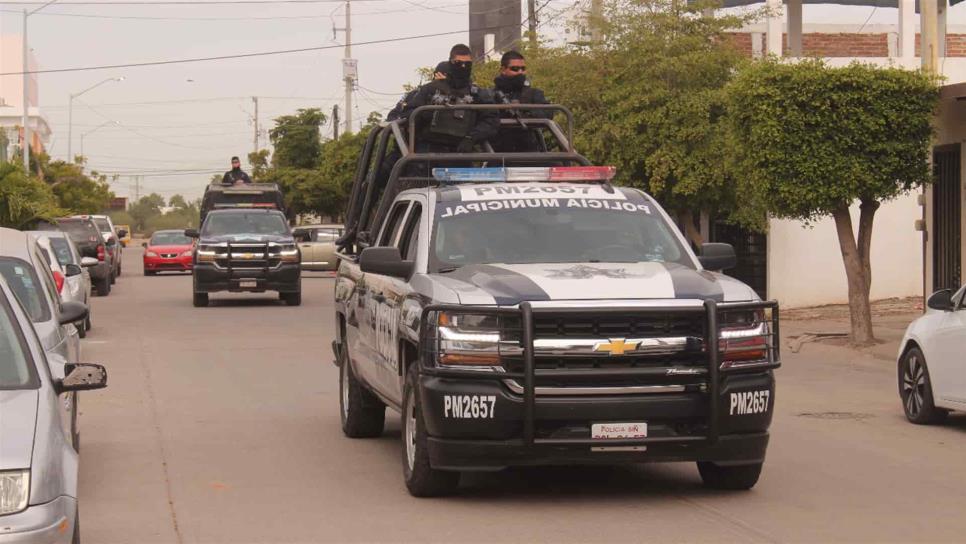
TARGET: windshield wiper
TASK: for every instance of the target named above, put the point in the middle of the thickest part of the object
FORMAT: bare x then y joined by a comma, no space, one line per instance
447,269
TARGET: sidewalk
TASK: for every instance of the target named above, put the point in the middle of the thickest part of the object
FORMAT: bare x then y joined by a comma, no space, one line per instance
830,326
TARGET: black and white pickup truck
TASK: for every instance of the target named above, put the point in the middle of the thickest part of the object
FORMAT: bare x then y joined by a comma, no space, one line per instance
530,316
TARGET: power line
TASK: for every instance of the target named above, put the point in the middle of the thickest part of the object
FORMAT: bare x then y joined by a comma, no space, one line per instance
192,100
184,2
243,55
244,18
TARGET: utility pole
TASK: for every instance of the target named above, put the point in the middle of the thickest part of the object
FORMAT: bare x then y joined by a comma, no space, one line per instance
929,16
532,21
255,145
137,188
335,122
26,100
350,69
596,20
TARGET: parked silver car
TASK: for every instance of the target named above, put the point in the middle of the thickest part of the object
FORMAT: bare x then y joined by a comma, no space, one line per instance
71,272
38,464
26,271
317,244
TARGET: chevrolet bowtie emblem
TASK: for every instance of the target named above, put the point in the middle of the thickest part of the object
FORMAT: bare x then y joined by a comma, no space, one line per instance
246,256
617,346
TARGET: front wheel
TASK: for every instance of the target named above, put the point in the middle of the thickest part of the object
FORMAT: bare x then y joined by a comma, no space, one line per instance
104,287
292,299
200,300
915,390
422,480
731,477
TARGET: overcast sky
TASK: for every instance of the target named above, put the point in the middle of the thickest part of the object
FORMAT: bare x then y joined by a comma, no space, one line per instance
195,116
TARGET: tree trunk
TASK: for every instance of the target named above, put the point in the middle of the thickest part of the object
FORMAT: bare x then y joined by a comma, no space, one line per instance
691,231
856,258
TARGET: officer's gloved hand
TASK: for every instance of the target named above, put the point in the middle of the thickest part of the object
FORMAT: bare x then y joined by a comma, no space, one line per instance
465,145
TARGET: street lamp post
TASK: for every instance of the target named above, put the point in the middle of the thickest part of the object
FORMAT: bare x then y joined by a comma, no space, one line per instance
93,130
26,90
70,114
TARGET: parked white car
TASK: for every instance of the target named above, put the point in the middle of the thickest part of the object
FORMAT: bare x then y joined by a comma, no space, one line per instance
932,377
70,270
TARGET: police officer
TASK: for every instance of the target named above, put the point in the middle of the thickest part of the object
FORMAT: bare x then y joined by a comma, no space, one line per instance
236,174
511,86
453,130
396,113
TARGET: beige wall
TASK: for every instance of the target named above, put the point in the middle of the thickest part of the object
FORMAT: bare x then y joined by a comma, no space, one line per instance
805,266
11,60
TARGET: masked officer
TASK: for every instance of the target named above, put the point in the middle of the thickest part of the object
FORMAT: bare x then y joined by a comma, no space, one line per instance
512,87
396,113
453,130
236,174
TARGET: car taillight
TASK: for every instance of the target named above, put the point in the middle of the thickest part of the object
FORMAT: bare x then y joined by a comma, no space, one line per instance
100,253
59,280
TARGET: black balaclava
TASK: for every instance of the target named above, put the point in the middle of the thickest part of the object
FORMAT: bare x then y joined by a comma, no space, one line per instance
510,84
460,74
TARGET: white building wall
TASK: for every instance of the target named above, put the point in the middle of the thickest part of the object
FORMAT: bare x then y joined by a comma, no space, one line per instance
805,265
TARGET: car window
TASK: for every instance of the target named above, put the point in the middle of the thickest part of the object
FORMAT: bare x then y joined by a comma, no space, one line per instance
103,224
80,230
327,235
959,298
23,281
47,280
393,224
16,369
220,224
62,250
170,239
408,241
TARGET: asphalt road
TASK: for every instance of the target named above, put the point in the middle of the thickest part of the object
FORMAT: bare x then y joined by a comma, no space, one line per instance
221,424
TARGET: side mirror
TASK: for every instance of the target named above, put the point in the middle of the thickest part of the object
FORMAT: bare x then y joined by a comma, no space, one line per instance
72,312
191,233
718,256
83,377
72,270
941,300
121,233
89,261
111,242
302,236
386,261
144,244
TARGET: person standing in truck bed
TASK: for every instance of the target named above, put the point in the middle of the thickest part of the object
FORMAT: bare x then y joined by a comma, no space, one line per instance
236,174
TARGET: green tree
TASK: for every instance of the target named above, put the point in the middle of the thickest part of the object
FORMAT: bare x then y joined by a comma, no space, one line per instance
297,140
811,140
259,161
23,200
75,190
177,201
144,209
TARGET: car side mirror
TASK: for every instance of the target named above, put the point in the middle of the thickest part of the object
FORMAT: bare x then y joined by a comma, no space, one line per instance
83,377
72,312
72,270
89,261
191,233
386,261
121,233
144,244
941,300
302,237
718,256
111,242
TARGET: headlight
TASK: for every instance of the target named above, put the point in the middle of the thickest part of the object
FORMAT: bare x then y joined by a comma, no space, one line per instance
472,341
150,254
14,491
289,254
186,253
745,339
205,254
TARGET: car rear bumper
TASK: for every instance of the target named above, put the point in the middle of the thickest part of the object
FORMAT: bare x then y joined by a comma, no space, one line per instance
286,278
52,522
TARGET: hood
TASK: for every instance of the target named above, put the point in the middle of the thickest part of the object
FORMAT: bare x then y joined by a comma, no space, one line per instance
170,249
509,284
18,420
255,238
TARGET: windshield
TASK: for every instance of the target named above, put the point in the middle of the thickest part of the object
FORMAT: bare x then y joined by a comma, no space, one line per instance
170,239
79,230
619,227
16,372
102,224
26,287
62,250
259,223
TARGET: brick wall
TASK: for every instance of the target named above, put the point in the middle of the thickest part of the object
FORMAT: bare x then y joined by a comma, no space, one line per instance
849,45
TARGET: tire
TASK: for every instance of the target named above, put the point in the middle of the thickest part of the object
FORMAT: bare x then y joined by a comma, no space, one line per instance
104,287
363,414
292,299
76,538
81,329
731,477
200,300
915,390
119,269
75,434
88,323
422,480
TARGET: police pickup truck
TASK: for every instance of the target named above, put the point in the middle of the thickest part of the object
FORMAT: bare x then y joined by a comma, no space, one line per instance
540,315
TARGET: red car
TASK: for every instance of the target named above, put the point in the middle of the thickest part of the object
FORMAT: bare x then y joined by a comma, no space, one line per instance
168,250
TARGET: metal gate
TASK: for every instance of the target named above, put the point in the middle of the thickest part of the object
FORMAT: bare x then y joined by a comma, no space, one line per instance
751,248
946,218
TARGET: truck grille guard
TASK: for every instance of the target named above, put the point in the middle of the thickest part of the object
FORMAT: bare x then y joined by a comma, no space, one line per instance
710,371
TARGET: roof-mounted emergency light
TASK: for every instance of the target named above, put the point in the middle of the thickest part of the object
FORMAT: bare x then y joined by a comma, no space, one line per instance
525,173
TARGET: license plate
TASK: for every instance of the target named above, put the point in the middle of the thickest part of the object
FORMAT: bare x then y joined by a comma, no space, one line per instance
611,431
248,283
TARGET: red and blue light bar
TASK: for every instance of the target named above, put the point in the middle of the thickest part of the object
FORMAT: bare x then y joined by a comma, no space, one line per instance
525,173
